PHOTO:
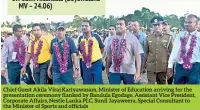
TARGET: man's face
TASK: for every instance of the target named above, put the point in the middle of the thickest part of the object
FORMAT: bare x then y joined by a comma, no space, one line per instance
136,26
166,27
190,24
19,32
4,35
121,27
130,27
60,32
86,27
112,30
157,28
37,31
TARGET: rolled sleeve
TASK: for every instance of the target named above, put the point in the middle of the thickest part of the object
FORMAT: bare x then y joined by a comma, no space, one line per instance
136,47
173,55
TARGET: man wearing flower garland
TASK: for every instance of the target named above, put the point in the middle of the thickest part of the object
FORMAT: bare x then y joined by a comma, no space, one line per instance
39,52
186,54
13,54
122,50
158,47
91,48
63,50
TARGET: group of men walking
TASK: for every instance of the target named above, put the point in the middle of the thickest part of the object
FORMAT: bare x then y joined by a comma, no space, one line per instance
128,54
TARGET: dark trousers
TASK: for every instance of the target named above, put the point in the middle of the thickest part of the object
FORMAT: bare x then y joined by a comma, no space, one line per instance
159,77
40,74
115,78
66,78
170,80
92,75
14,70
183,76
81,68
3,80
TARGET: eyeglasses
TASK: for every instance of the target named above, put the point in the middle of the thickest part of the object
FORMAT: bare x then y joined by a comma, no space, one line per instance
189,22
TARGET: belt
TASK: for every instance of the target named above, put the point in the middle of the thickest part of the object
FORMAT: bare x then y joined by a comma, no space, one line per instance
43,63
96,61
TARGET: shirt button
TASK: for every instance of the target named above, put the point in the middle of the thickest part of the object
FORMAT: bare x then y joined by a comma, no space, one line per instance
157,49
157,43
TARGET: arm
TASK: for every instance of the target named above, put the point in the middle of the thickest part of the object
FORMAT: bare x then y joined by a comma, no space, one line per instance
138,61
137,50
50,68
74,57
146,56
50,63
172,58
108,58
27,60
75,61
145,43
4,57
173,54
108,62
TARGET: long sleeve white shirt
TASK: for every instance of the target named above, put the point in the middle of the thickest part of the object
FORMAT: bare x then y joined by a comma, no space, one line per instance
174,57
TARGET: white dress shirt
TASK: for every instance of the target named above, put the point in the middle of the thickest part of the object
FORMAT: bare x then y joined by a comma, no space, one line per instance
174,57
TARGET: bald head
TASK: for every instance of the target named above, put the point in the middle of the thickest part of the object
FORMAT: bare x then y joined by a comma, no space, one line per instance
191,23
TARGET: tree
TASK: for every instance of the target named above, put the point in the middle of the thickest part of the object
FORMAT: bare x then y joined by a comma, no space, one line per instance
3,24
17,20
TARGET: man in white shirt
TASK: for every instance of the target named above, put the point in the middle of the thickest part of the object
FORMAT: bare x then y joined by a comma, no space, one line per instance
112,32
186,54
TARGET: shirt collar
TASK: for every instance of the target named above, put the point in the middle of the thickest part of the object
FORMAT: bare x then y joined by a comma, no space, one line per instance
192,33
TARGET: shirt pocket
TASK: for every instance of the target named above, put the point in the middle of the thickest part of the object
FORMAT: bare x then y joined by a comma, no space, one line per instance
150,43
164,43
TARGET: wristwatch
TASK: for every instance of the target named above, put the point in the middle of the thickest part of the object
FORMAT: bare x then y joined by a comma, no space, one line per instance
77,69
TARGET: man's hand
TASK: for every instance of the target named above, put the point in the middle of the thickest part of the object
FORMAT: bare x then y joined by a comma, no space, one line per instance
169,73
137,77
49,73
144,68
23,70
3,73
76,74
107,72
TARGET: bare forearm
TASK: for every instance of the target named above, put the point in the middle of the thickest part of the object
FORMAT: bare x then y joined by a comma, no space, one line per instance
145,58
27,60
102,50
108,61
75,60
138,60
51,62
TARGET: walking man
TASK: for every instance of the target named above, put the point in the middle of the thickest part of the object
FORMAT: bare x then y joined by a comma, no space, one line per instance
13,54
186,54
